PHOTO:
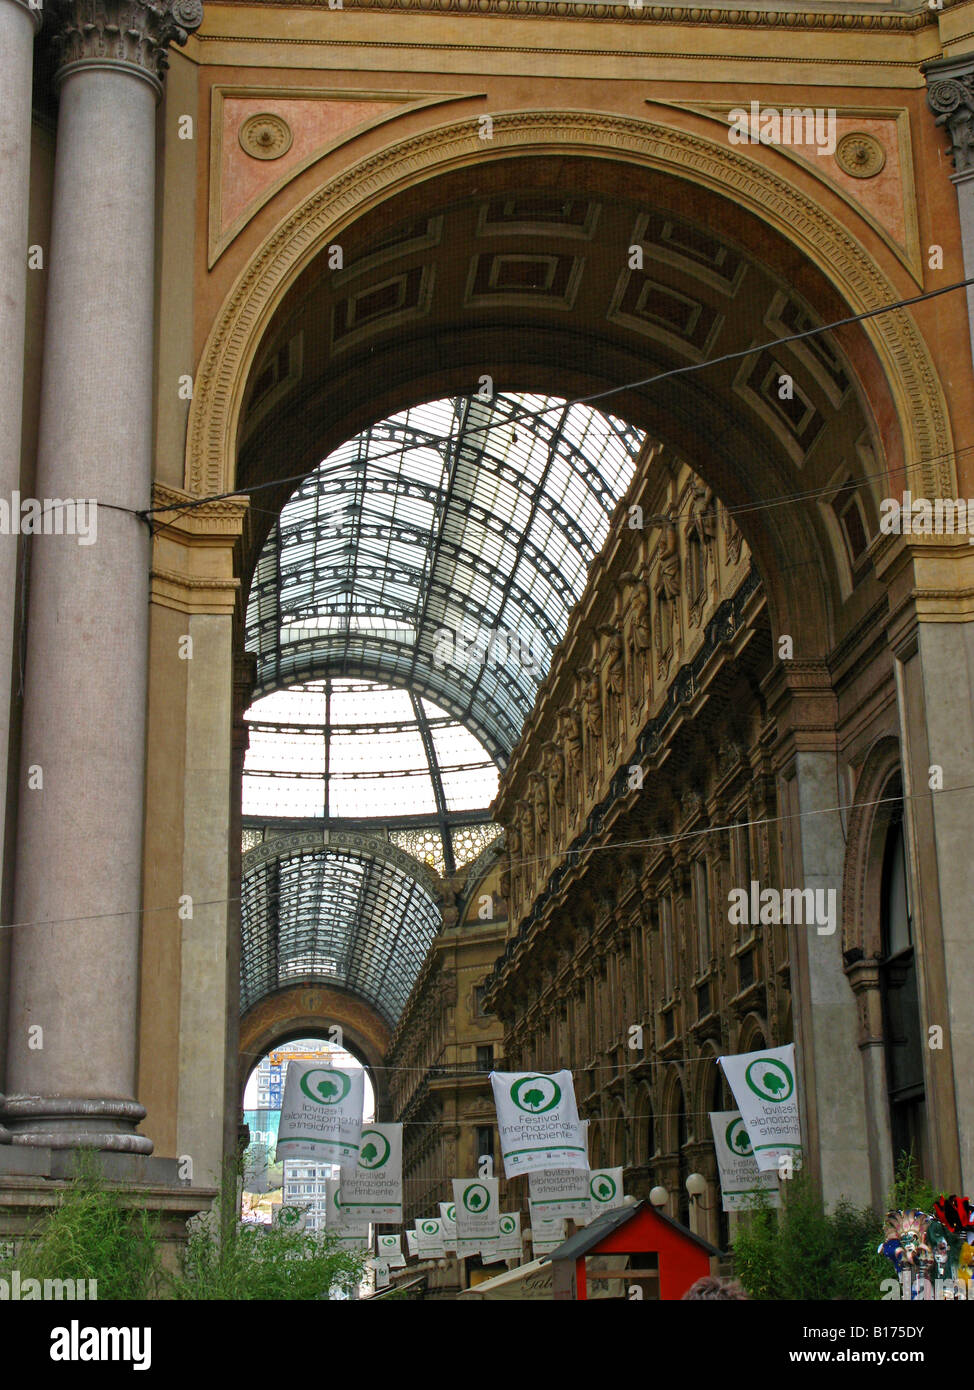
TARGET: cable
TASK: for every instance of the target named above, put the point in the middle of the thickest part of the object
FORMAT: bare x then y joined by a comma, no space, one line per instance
509,421
586,850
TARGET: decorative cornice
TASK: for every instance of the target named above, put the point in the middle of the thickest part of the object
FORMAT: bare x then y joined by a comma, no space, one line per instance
617,13
950,93
133,35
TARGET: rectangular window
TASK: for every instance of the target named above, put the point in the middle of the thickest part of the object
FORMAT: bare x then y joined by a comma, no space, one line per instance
478,998
485,1057
745,969
485,1141
666,929
701,905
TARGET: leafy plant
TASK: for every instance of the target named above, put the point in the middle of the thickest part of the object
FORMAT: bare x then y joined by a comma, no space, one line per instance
92,1234
227,1260
803,1252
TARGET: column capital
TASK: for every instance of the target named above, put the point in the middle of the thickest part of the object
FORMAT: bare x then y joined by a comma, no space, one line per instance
34,10
950,94
132,35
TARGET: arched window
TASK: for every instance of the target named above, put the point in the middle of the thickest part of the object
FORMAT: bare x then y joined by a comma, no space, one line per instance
901,1004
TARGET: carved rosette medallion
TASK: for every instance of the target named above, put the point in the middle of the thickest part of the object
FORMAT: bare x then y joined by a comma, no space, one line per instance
265,136
860,155
132,34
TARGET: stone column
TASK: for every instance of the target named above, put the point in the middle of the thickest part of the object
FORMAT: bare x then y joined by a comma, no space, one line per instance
74,978
950,92
834,1126
18,25
931,636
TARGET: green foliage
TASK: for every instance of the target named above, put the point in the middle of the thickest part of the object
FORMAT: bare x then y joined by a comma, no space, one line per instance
92,1234
227,1260
909,1190
803,1252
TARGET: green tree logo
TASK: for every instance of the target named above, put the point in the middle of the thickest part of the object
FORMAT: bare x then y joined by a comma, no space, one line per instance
326,1085
535,1094
602,1187
476,1198
507,1225
770,1079
430,1228
737,1138
451,1212
375,1150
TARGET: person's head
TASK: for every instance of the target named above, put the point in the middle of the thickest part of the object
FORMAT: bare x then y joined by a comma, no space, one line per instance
712,1287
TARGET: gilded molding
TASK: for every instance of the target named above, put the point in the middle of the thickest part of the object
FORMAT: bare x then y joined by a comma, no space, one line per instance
131,34
235,336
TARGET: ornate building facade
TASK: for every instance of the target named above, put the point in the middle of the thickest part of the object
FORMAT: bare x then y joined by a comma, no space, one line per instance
249,256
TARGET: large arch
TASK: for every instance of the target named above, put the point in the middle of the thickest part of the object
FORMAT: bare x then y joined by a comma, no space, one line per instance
676,168
315,1009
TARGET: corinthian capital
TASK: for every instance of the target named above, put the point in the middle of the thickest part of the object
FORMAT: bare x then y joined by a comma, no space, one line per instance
950,92
133,34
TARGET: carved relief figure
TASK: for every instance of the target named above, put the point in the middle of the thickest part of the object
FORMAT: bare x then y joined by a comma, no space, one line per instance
640,639
592,717
615,678
570,734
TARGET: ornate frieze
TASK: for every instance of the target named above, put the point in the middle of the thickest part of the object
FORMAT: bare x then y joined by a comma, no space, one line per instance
132,34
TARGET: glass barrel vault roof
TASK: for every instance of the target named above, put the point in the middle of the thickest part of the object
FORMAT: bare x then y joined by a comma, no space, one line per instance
442,550
357,918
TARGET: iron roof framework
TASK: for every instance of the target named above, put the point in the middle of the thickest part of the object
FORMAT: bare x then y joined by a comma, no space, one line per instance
354,913
453,520
439,552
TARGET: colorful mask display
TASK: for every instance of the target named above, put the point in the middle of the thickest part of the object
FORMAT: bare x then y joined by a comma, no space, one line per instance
932,1255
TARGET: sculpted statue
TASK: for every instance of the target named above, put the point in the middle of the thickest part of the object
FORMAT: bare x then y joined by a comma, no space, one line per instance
540,798
569,730
554,768
592,702
526,822
704,512
670,562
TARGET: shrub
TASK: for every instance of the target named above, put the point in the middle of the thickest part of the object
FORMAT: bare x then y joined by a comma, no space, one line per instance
91,1234
803,1252
225,1259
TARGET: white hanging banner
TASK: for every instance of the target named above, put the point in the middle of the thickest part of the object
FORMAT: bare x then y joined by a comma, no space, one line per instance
374,1188
763,1084
538,1121
605,1190
339,1220
491,1252
477,1204
321,1114
509,1244
381,1268
412,1243
388,1248
546,1236
289,1217
429,1238
448,1223
740,1177
563,1192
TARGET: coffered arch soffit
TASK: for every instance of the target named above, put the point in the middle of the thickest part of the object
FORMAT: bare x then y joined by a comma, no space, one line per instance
402,322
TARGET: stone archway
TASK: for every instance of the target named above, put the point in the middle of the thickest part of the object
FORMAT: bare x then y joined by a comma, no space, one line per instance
235,336
314,1009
